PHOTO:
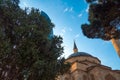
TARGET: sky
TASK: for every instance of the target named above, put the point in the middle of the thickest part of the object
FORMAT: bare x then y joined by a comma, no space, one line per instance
68,15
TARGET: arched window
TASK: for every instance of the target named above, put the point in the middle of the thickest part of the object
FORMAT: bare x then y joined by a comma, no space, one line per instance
110,77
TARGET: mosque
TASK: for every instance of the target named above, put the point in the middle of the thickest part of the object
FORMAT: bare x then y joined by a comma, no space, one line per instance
84,66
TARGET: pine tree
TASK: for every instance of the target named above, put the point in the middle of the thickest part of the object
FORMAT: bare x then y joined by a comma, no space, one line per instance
104,18
26,51
104,21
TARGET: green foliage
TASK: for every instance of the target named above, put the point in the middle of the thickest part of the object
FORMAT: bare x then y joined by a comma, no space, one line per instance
104,18
26,52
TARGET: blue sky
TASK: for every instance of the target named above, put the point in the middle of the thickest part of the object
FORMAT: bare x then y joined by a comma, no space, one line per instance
68,15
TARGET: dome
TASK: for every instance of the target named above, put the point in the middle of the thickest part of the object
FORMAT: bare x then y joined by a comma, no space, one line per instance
45,16
79,54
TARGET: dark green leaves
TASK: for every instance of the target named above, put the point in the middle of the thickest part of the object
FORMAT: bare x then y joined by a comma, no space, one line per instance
104,18
26,51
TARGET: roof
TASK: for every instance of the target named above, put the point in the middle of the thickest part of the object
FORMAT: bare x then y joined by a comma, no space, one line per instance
79,54
46,16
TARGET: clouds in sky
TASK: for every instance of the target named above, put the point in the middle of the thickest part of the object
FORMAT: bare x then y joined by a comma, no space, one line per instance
80,15
77,35
106,42
71,9
65,30
62,32
25,4
87,9
68,9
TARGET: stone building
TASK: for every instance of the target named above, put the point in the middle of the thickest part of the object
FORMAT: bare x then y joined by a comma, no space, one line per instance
87,67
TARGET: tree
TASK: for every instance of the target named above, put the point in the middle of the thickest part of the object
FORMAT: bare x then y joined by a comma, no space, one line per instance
26,51
104,21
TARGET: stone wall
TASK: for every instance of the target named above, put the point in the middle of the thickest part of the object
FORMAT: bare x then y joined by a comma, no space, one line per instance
89,68
84,58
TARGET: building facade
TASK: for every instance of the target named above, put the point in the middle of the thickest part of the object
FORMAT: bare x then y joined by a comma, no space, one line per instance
87,67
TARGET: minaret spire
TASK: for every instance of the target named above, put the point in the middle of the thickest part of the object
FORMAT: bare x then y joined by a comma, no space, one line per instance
75,49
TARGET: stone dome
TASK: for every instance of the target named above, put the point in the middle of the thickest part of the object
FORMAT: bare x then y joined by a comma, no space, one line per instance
82,56
79,54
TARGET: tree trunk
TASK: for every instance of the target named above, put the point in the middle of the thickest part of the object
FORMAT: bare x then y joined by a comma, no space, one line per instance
116,44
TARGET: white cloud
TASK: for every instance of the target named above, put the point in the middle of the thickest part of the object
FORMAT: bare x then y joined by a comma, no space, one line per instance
80,15
25,4
77,35
87,9
63,32
106,42
68,9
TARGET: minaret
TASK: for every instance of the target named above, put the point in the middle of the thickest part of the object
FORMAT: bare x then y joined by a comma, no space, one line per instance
75,49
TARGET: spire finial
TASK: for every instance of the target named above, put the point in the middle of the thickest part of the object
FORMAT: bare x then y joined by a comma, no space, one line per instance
75,49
